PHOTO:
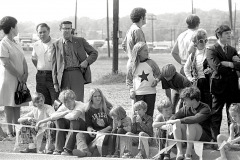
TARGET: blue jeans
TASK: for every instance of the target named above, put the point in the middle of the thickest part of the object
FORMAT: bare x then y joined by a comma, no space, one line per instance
64,139
44,85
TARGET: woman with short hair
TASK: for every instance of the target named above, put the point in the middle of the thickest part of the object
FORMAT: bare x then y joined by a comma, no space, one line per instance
13,69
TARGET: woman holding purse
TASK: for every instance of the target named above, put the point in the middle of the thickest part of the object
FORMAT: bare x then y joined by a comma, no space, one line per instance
196,68
13,69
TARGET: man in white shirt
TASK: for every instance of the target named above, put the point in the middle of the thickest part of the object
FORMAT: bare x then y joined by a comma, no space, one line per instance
41,58
180,48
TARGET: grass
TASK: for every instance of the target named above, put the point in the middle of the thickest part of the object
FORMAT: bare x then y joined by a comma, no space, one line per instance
112,85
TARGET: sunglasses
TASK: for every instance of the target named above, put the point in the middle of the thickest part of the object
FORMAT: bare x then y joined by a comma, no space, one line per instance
203,40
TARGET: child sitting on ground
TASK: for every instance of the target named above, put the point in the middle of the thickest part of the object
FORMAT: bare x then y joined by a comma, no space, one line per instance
121,125
232,141
173,82
191,122
163,130
37,117
142,127
143,76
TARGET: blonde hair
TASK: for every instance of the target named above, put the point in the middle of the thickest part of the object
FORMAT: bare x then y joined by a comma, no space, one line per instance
164,103
66,95
37,96
118,112
105,104
199,34
234,107
140,104
135,60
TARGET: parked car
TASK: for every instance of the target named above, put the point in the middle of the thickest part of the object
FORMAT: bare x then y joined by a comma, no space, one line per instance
161,49
211,41
27,45
96,43
150,46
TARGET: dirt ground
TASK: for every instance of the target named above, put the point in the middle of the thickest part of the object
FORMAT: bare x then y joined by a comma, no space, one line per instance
117,94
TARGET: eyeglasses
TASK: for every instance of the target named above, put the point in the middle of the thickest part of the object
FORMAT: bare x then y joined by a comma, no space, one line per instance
66,29
203,40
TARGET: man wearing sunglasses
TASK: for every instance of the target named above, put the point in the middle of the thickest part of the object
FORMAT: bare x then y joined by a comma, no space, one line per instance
180,49
224,61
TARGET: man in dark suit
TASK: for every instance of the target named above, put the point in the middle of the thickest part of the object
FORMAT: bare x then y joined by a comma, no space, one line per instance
70,63
224,61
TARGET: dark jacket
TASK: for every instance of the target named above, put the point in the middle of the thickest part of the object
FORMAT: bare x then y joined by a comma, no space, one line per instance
224,80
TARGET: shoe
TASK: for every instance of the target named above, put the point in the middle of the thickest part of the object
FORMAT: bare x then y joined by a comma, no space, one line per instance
179,157
66,153
116,154
57,153
127,155
49,152
40,152
139,156
79,153
188,157
109,156
166,157
27,150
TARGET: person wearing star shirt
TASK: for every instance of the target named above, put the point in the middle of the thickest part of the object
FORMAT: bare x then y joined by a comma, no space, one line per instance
143,76
173,83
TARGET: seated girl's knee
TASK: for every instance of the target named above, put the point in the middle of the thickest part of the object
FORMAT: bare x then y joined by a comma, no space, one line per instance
143,134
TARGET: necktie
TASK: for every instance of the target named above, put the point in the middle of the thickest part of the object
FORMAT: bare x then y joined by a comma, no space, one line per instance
225,49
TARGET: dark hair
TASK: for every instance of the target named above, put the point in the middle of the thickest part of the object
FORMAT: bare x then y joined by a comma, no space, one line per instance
7,23
65,22
137,14
192,21
191,93
43,25
221,29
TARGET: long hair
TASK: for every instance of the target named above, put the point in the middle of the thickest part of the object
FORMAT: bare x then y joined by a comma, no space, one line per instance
135,60
105,104
118,112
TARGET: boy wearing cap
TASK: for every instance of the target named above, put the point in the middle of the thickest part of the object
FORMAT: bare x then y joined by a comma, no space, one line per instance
224,61
171,79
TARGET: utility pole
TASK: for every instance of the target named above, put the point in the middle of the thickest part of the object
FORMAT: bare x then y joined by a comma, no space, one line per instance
192,8
76,18
108,32
152,17
115,35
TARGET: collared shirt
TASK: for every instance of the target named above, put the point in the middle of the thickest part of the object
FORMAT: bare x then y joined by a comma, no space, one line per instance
69,56
222,45
184,40
42,52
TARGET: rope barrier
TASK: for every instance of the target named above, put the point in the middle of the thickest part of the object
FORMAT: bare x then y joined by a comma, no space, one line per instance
123,135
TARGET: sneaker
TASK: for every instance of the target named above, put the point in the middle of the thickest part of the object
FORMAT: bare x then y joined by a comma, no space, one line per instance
49,152
66,153
57,153
166,157
139,156
27,150
127,155
79,153
179,157
188,157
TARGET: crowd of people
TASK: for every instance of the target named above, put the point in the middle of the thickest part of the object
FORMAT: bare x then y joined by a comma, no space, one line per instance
191,110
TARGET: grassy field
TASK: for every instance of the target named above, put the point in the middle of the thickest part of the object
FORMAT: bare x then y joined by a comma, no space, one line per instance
116,93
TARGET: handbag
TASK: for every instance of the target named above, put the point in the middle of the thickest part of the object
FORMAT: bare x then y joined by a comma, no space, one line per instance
22,94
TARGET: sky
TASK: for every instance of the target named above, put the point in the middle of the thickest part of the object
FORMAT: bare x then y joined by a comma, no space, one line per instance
39,11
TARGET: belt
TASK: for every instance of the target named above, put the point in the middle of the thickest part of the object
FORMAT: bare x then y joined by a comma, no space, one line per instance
72,68
44,72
